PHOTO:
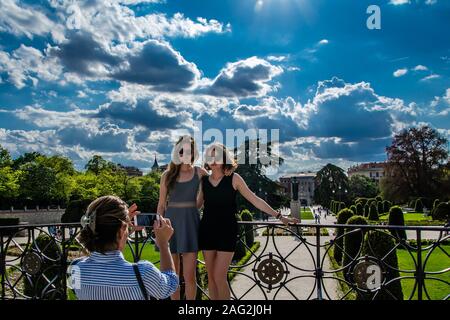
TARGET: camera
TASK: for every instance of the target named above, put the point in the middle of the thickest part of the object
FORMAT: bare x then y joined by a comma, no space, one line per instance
145,219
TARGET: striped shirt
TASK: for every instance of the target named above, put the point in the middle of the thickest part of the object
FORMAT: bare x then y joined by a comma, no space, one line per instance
109,276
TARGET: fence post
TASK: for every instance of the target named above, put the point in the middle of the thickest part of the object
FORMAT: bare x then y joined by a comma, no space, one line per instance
318,272
64,263
419,271
2,266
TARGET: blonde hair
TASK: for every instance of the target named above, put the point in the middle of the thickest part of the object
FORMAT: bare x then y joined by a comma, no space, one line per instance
220,152
175,164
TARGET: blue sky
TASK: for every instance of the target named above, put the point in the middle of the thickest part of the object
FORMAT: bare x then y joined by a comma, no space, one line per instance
123,78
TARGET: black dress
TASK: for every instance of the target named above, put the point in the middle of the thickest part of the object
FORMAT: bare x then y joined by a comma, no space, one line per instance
218,227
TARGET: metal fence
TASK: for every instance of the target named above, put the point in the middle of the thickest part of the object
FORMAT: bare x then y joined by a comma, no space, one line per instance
303,261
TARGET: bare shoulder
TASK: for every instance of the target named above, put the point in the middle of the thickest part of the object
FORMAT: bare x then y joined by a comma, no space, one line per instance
237,179
202,172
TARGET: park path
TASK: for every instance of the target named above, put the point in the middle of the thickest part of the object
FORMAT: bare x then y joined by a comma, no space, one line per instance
300,283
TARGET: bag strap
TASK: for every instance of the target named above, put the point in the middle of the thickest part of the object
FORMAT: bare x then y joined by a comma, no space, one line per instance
139,279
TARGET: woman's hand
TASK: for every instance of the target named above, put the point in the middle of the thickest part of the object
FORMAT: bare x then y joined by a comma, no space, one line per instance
132,212
163,231
287,220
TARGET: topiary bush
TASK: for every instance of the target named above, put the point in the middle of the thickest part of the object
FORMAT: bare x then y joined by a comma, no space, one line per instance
36,286
442,211
342,218
418,206
75,210
435,204
353,208
9,222
353,242
359,209
246,215
366,210
380,207
240,248
396,218
386,205
378,244
363,201
373,212
378,198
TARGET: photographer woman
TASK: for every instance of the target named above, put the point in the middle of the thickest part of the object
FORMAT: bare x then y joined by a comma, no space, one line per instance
105,274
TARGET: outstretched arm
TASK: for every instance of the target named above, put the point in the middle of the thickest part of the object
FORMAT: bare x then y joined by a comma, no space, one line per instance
259,203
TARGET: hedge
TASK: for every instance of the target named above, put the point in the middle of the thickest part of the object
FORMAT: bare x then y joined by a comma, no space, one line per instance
342,218
396,218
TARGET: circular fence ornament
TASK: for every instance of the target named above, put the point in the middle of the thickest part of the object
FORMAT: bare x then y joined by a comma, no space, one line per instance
270,271
31,263
368,275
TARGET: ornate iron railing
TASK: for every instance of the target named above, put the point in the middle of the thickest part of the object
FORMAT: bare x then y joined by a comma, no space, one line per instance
303,261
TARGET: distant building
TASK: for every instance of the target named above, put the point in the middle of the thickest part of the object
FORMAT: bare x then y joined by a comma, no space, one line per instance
131,171
372,170
306,186
157,167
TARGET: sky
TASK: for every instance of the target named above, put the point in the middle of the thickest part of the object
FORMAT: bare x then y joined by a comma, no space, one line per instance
125,78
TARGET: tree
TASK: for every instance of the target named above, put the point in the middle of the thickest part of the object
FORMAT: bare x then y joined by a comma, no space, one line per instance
328,179
9,185
97,164
362,186
254,159
5,158
417,159
24,159
37,182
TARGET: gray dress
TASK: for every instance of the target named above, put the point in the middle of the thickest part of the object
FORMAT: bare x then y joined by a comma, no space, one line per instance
184,215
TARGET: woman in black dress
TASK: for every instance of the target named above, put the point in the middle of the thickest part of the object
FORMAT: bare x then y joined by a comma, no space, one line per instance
218,232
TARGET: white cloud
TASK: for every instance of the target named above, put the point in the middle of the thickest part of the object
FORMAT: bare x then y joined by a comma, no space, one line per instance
111,21
430,77
323,42
276,58
420,68
400,72
28,63
293,69
399,2
20,19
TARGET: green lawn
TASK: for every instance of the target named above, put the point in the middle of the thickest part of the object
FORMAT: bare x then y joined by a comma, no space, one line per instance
438,260
416,219
148,253
306,214
413,216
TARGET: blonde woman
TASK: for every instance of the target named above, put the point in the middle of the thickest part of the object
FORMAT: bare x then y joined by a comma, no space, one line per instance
218,232
179,187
